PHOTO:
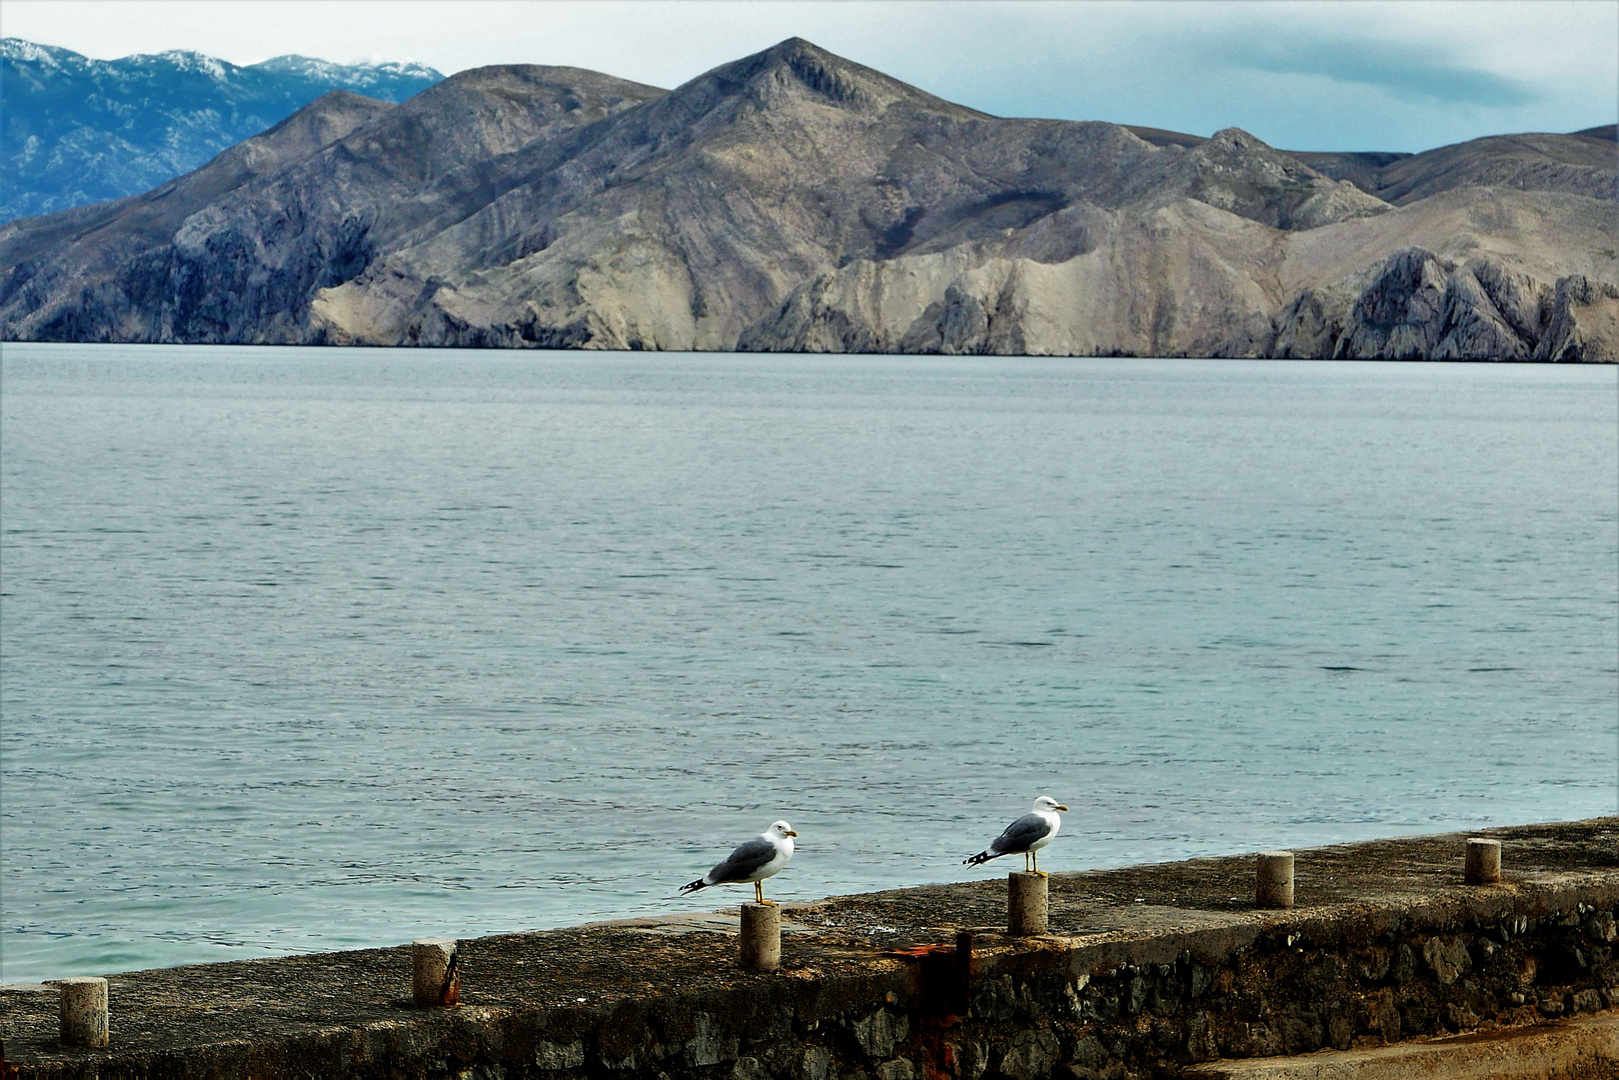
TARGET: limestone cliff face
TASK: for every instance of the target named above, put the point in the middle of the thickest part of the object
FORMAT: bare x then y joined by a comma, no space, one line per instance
1159,282
792,200
1190,280
1584,322
1422,307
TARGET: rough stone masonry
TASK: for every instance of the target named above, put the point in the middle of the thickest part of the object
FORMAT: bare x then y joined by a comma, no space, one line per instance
1146,971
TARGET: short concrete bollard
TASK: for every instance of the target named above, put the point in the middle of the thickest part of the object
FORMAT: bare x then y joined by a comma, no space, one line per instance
1026,903
1483,861
84,1011
760,943
1273,881
435,971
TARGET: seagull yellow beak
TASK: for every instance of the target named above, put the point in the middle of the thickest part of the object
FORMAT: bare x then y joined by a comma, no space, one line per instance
792,832
1060,807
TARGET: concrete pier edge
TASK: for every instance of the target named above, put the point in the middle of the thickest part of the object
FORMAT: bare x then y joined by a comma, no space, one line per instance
1144,972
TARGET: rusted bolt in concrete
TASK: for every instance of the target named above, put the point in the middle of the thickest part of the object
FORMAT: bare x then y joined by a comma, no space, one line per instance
84,1011
760,943
1483,861
435,971
1026,903
1273,880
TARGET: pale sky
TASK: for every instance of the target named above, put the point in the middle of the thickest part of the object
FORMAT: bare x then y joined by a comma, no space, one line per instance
1313,75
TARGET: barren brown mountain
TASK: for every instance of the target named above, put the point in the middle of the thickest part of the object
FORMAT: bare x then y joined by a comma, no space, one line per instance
793,200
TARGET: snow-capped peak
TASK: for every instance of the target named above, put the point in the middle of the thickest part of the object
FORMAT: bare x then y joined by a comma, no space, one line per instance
185,60
27,52
359,73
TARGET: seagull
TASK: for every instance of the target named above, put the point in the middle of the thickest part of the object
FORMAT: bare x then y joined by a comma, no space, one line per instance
1027,835
754,860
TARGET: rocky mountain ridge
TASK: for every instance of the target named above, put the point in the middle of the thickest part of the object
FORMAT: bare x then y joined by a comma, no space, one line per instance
793,200
1581,161
76,131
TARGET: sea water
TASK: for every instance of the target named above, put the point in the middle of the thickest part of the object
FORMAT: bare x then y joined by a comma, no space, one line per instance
308,649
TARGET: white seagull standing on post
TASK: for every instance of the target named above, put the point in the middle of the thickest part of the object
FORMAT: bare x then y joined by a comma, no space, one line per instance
1025,836
754,860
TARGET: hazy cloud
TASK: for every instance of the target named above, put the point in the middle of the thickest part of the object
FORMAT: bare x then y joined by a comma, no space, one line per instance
1407,72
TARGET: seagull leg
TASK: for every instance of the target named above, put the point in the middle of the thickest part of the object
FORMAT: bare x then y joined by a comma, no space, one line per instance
759,891
1035,855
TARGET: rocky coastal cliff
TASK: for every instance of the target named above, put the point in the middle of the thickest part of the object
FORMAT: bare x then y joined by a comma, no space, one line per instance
793,200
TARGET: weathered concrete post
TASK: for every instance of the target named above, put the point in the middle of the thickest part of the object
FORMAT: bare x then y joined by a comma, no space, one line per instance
1026,903
1273,882
1483,861
84,1011
435,971
760,943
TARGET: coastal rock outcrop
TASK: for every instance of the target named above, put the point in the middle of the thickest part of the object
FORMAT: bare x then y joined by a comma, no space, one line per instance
1420,306
1490,314
1398,317
1310,326
1583,324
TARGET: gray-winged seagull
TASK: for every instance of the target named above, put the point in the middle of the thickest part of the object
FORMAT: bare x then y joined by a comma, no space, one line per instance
755,860
1025,836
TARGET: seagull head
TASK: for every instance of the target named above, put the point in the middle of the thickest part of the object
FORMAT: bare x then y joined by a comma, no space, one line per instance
1046,804
781,830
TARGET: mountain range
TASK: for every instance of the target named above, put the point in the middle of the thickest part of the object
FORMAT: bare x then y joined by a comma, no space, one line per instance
794,200
75,130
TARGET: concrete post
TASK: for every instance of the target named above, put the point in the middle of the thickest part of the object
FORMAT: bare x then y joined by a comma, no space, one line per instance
435,971
760,943
1273,882
1026,903
84,1011
1483,861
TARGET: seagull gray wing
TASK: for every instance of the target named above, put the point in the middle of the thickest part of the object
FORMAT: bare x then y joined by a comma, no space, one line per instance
1020,834
742,862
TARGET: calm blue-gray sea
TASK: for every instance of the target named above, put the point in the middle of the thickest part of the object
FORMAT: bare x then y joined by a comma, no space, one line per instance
306,649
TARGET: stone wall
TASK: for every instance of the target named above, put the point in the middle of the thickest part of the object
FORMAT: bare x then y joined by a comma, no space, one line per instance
1295,989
